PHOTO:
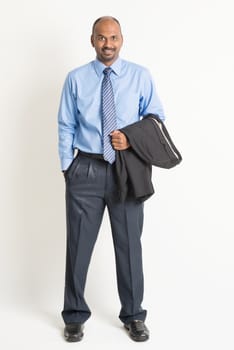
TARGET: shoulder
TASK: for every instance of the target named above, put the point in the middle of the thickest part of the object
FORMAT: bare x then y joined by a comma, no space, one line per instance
78,76
134,68
80,71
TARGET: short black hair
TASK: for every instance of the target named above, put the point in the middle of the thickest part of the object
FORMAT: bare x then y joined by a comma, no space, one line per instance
105,17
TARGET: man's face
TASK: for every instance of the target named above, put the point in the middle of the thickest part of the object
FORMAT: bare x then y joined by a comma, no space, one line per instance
107,41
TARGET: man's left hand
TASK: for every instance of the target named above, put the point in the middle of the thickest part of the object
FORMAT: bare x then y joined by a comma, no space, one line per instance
119,140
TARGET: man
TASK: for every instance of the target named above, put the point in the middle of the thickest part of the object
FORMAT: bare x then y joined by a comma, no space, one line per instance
97,100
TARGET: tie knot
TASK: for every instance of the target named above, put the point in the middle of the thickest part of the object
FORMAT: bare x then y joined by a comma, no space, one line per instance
107,71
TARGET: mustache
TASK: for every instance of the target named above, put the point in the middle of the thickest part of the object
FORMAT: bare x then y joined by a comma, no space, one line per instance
108,48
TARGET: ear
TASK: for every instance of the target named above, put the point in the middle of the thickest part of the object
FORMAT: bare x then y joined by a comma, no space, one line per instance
122,40
92,40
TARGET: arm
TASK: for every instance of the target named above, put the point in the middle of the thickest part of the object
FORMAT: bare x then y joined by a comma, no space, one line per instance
66,124
149,101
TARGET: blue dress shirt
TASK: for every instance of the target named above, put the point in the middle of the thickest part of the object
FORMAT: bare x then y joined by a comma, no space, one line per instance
79,117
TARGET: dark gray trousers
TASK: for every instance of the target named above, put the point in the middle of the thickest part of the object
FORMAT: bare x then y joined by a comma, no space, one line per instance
90,187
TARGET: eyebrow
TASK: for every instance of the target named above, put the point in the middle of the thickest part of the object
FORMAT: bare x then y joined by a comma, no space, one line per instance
105,36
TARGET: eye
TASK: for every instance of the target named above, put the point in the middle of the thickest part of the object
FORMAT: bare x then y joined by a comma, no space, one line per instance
114,38
101,38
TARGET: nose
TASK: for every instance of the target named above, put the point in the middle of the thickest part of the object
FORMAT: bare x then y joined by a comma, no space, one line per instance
108,42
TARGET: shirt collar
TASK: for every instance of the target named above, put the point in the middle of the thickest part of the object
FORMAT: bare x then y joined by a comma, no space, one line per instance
116,66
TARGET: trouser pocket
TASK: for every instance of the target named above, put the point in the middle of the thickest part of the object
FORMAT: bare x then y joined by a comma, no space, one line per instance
72,167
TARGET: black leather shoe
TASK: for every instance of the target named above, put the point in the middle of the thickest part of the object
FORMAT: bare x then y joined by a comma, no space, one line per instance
137,330
73,332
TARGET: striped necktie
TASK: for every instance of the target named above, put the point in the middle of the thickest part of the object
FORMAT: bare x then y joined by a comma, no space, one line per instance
109,116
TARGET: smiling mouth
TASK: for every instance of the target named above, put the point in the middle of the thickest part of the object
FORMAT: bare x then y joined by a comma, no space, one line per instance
108,51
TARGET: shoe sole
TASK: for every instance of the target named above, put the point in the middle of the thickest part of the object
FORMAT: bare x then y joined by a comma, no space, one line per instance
73,339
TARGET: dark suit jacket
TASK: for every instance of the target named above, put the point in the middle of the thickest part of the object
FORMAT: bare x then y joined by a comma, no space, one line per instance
134,165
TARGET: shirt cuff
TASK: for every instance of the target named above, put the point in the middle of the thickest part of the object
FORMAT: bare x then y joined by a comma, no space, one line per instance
65,162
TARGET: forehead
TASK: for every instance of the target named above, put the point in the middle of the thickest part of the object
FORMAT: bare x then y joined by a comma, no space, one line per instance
107,27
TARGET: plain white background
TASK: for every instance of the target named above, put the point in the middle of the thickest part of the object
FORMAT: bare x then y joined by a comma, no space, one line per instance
188,233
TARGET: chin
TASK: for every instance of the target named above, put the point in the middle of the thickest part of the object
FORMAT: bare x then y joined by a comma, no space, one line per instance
109,59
